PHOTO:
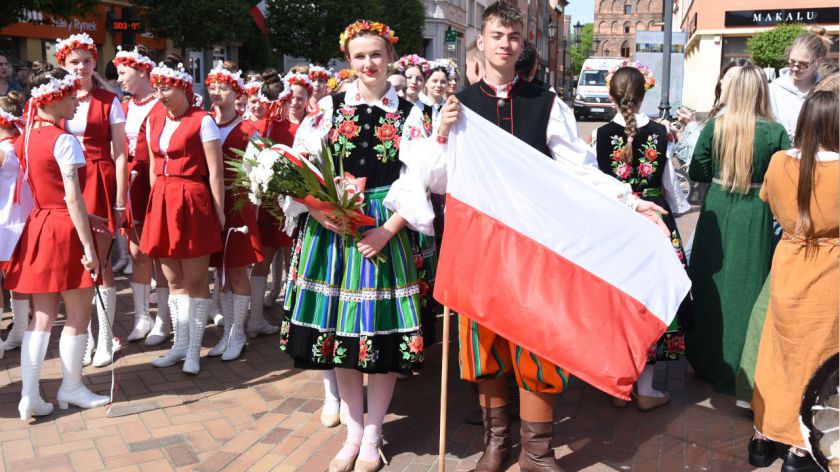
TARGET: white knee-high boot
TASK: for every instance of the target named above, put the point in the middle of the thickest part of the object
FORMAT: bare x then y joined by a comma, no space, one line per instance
163,322
105,342
20,313
227,309
142,320
199,310
72,390
236,341
257,323
91,343
32,352
179,309
215,297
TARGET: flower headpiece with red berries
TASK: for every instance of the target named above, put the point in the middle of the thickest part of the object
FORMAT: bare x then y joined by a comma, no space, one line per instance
224,76
63,47
297,79
9,121
650,81
54,90
133,59
319,73
413,60
363,26
178,77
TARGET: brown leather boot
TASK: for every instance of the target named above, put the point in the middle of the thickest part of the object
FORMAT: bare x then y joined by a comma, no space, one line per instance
537,454
496,439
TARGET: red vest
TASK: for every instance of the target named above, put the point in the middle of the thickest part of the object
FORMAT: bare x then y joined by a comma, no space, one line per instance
97,136
44,174
185,156
141,149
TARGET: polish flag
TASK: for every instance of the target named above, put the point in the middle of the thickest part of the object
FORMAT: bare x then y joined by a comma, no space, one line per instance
532,251
258,12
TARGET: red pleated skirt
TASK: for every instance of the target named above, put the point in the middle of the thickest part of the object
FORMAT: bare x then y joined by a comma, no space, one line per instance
239,249
271,231
100,189
48,256
181,221
138,194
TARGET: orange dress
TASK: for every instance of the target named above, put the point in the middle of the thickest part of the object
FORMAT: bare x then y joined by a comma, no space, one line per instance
801,329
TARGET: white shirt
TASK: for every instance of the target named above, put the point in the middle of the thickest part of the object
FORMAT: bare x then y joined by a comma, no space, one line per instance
135,117
12,216
78,124
209,131
786,101
68,151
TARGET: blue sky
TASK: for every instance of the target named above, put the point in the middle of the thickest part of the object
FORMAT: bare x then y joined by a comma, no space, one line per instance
581,10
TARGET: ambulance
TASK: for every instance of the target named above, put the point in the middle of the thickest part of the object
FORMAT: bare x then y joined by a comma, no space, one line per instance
592,98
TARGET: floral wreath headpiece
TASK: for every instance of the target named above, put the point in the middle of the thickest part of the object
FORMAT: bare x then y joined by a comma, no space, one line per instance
54,90
363,26
413,60
133,59
297,79
445,64
224,76
318,73
63,47
254,87
650,81
9,121
178,78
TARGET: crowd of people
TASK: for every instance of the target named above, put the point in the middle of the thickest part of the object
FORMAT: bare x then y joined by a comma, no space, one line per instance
79,165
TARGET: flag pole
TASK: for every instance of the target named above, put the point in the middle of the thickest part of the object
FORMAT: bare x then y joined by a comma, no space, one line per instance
444,376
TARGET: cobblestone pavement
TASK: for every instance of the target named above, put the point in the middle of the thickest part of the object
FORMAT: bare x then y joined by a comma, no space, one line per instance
257,413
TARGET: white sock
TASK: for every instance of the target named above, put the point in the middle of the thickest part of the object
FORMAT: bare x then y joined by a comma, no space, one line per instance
331,398
645,383
351,388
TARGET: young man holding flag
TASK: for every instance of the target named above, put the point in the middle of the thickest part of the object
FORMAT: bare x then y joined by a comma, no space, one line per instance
540,119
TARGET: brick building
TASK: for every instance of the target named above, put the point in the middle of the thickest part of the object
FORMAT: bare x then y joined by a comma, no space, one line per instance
616,23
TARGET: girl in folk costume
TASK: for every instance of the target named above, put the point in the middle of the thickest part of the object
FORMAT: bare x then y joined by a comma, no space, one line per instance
319,77
633,149
731,252
452,84
241,249
99,124
15,206
800,331
435,92
416,70
257,103
185,215
56,254
134,69
348,312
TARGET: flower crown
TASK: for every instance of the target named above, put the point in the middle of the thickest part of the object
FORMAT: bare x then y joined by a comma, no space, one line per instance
284,97
363,26
445,64
63,47
413,60
9,121
133,59
650,81
54,90
318,72
254,87
224,76
297,79
178,78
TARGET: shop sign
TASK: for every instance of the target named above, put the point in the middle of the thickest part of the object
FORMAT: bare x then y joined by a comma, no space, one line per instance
780,16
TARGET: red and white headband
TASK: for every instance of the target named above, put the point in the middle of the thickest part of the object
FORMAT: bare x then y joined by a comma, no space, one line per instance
54,90
178,78
9,121
224,76
318,73
133,59
297,79
63,47
254,87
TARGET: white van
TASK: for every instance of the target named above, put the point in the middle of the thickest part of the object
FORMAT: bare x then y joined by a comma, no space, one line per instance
592,98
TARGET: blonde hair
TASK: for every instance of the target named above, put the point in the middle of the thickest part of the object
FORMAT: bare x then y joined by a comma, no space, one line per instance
815,41
747,101
829,84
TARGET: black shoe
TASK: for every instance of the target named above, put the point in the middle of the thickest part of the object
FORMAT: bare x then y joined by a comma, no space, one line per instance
797,463
762,452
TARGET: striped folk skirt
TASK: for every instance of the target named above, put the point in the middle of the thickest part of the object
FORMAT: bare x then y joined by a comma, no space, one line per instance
346,311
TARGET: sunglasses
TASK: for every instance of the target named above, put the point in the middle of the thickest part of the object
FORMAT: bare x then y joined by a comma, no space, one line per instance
799,65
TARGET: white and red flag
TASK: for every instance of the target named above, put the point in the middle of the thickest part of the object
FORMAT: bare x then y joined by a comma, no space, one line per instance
532,251
258,12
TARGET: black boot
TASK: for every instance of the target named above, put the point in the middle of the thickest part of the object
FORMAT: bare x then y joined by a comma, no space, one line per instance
496,439
762,452
797,463
537,454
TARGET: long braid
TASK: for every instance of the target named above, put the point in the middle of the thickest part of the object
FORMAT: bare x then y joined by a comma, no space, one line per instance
630,130
627,89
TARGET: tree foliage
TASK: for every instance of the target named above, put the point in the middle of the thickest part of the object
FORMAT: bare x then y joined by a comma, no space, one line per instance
197,24
769,48
310,28
12,11
582,50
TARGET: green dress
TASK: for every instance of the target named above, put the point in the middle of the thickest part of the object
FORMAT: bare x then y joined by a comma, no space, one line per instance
730,259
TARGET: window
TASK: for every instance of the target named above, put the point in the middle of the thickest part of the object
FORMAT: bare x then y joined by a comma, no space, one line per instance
627,9
471,13
627,28
625,49
593,77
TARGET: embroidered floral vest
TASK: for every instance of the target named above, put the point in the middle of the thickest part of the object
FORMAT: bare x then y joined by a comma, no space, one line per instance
649,155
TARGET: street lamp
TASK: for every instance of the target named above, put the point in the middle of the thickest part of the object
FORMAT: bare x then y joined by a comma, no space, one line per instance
552,53
596,43
578,28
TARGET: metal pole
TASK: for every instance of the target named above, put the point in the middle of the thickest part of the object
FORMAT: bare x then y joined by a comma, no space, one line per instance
665,104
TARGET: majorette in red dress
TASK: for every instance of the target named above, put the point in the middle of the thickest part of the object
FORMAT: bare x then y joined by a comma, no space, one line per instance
138,159
241,249
48,256
181,220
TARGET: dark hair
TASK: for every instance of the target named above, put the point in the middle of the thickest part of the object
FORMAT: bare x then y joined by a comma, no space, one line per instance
111,71
527,59
438,69
270,76
718,106
816,127
504,12
13,103
42,71
627,89
146,51
172,61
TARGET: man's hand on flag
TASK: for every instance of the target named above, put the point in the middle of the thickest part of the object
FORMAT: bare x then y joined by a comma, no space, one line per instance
449,115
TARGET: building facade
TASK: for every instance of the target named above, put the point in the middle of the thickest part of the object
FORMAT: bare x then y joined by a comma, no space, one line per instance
717,32
616,23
